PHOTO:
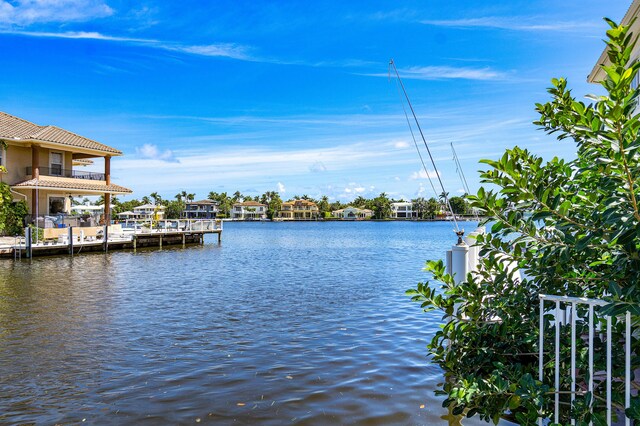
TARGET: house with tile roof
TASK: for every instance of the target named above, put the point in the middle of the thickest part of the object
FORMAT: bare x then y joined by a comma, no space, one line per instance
203,209
248,210
352,213
299,210
149,212
42,161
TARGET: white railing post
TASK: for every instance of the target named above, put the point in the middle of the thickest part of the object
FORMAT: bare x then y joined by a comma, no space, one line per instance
608,369
557,365
627,366
589,320
573,356
541,349
591,360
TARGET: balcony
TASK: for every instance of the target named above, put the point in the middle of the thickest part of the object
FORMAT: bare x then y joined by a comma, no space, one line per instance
67,173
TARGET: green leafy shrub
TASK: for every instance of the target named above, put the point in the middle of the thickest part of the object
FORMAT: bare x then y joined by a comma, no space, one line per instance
12,213
572,228
37,234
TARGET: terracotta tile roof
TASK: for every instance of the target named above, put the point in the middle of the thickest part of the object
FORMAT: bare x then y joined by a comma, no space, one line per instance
14,128
249,204
207,202
82,162
149,206
299,203
75,184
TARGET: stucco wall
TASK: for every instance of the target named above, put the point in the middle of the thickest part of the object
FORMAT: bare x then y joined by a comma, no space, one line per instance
18,159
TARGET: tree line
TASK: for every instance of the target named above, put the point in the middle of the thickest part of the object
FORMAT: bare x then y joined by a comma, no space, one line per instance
380,205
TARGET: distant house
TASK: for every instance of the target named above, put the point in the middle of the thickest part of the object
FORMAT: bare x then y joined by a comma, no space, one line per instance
403,210
249,210
352,213
203,209
299,209
148,212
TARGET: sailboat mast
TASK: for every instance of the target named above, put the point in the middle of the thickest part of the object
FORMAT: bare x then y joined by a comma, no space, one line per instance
456,160
433,163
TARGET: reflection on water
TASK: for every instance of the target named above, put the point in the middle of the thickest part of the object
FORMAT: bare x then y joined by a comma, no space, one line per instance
302,323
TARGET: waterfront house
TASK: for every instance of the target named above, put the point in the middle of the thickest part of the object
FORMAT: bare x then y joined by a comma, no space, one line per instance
203,209
41,166
352,213
403,210
299,210
148,212
248,210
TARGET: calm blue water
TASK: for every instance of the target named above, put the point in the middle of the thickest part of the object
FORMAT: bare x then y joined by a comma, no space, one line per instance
283,323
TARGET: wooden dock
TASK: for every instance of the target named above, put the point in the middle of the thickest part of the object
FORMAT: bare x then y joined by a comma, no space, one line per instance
127,236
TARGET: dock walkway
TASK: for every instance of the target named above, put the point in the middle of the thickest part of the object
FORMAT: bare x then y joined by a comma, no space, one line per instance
126,235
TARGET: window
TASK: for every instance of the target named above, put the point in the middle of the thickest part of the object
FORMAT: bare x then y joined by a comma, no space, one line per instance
55,164
56,205
2,157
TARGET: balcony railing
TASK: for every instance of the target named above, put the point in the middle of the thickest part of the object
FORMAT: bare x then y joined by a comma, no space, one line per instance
68,173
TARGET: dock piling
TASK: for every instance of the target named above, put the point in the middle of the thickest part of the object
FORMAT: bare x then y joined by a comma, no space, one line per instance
106,238
28,242
71,240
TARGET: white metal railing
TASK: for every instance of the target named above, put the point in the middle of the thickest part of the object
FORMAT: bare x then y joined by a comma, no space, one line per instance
145,226
570,305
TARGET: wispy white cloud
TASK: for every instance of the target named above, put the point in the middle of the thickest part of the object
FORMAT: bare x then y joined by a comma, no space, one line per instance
446,73
151,152
26,12
513,23
228,50
422,174
90,35
354,188
401,144
318,167
281,187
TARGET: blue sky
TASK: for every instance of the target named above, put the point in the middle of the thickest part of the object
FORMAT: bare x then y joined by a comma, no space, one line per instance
294,95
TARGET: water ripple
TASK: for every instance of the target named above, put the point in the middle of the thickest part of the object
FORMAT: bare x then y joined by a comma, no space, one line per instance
283,323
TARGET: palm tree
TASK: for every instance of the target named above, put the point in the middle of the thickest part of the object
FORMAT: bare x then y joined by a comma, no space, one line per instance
225,203
190,197
146,200
444,197
157,199
419,206
381,206
323,205
359,201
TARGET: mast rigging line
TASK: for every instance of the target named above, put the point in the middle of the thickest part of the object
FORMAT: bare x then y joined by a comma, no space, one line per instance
415,142
433,163
463,179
